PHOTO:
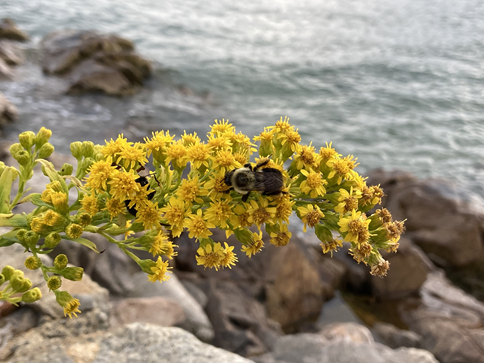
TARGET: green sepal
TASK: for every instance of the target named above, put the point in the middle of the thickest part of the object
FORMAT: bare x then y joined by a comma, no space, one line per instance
84,242
50,172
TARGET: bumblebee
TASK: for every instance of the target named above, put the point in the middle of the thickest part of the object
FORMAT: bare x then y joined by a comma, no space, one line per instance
268,181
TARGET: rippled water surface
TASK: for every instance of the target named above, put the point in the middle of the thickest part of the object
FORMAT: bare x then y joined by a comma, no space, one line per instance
398,84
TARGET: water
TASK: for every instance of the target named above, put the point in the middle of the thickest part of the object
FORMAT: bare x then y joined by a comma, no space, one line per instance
399,85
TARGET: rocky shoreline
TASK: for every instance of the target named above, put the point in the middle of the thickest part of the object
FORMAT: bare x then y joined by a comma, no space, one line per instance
266,309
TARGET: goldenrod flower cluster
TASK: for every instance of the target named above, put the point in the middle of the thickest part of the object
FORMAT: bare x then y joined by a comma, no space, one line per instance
141,195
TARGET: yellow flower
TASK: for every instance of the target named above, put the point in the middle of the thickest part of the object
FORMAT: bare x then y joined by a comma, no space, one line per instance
46,196
310,215
290,139
159,271
113,148
149,215
219,213
348,201
244,218
281,126
356,227
123,184
157,145
198,155
130,156
284,208
189,189
282,237
261,212
190,139
331,245
99,174
174,213
254,246
161,245
215,187
341,167
177,154
221,127
74,230
66,301
210,256
314,184
229,258
52,218
114,207
225,161
59,201
219,142
328,152
197,226
306,157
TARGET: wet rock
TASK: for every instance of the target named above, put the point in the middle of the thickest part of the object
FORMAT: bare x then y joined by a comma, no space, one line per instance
154,310
94,62
240,322
340,344
390,335
132,343
408,271
6,72
8,112
8,30
449,321
444,221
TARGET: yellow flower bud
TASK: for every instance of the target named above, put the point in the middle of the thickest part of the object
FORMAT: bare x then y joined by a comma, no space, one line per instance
8,271
60,262
46,150
52,240
2,279
59,201
76,149
21,235
2,167
66,169
27,139
15,148
74,230
32,295
17,281
54,283
38,226
55,186
72,273
31,238
46,195
88,149
84,219
22,157
42,137
33,263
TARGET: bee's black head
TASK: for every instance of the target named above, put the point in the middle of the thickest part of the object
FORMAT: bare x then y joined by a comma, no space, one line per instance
228,176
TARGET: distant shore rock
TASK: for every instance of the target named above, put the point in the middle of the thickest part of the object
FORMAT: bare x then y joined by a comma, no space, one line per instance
8,30
8,112
93,62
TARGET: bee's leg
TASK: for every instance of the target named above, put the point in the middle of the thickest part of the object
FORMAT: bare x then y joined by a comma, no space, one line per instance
248,165
260,165
228,190
245,197
274,193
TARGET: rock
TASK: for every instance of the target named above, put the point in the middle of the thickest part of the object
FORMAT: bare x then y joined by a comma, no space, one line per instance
408,271
10,53
395,338
94,62
343,347
132,343
6,73
350,332
154,310
240,322
8,112
196,322
444,221
449,321
8,30
272,276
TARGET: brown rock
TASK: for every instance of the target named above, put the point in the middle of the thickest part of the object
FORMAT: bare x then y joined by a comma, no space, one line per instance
10,53
8,30
449,321
153,310
8,112
408,271
441,219
240,322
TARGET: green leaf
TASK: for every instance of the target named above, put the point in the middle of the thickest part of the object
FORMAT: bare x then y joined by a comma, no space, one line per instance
8,176
84,242
37,200
8,238
13,220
